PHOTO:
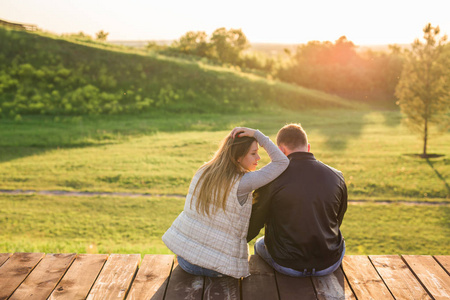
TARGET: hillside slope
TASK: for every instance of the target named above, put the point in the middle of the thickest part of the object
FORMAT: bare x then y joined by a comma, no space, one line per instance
45,75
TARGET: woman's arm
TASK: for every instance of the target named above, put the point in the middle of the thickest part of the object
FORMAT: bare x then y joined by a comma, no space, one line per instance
253,180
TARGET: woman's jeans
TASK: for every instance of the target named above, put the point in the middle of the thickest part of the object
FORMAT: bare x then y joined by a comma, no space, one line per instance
261,250
196,270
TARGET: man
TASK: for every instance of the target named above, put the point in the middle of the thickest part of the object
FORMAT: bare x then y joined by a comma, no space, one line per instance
302,211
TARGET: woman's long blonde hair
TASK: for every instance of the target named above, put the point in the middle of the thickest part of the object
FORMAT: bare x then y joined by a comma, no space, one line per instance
220,173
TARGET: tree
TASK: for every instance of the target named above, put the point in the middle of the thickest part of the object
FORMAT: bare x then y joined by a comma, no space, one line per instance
194,42
424,87
101,35
228,44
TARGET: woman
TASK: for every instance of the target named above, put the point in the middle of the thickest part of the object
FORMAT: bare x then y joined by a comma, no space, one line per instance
209,236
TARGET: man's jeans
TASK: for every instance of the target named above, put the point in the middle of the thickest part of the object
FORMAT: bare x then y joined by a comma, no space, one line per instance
196,270
261,250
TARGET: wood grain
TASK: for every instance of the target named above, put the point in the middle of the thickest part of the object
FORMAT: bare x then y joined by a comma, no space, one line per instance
4,257
80,277
444,261
183,285
333,286
115,279
397,276
431,274
15,270
221,288
152,278
261,283
43,279
364,279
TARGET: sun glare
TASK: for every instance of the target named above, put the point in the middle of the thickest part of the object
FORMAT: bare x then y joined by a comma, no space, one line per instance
363,22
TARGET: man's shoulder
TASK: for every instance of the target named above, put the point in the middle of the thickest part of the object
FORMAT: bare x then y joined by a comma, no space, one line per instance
331,169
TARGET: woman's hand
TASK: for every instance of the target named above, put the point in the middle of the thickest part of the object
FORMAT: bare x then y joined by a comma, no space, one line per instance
242,131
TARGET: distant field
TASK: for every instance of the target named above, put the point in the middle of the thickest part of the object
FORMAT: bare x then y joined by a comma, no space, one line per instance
135,225
160,153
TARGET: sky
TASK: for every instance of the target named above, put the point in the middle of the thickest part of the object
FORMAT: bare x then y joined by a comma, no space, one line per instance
279,21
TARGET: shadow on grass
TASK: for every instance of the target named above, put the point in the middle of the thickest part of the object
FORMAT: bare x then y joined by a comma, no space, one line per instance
35,135
439,175
339,129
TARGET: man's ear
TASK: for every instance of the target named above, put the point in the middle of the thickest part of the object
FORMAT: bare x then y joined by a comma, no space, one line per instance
282,148
309,147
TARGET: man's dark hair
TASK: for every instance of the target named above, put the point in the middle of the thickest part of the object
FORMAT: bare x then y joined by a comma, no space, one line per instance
292,136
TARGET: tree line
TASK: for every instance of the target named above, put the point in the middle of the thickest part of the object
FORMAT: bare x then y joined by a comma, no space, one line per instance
417,79
334,67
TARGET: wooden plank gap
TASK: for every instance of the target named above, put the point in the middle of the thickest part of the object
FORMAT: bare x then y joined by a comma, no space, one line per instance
183,285
382,279
80,277
277,284
15,270
152,277
65,272
4,257
43,279
397,276
444,262
291,287
348,281
98,275
432,276
114,280
261,284
333,286
365,281
417,277
168,279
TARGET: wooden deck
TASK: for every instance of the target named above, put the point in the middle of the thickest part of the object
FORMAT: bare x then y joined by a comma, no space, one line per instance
125,276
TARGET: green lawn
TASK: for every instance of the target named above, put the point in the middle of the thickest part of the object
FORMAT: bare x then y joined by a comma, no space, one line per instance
135,225
160,153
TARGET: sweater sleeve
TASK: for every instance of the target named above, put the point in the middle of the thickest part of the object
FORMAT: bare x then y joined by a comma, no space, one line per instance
253,180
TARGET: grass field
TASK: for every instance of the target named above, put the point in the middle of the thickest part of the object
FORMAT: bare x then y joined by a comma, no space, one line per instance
135,225
160,153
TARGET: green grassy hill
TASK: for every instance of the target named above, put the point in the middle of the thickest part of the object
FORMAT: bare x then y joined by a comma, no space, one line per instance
48,75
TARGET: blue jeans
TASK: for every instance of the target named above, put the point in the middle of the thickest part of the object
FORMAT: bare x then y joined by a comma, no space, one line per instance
196,270
261,250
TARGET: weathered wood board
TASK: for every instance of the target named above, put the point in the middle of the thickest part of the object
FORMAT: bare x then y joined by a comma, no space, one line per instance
79,279
431,274
4,257
183,285
152,278
115,279
15,270
261,283
444,261
41,282
399,279
364,279
333,286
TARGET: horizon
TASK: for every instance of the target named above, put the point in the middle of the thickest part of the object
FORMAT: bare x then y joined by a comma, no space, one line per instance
291,23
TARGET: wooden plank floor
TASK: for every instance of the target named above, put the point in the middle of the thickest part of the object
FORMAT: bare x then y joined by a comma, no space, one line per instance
125,276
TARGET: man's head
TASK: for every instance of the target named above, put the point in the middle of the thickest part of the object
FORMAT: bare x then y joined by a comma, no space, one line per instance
292,138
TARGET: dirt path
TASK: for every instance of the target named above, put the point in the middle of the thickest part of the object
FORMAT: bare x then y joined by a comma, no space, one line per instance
148,195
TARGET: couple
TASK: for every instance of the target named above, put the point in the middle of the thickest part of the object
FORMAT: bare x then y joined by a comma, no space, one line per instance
300,200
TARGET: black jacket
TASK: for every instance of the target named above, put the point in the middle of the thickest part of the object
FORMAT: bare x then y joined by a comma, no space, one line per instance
302,210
